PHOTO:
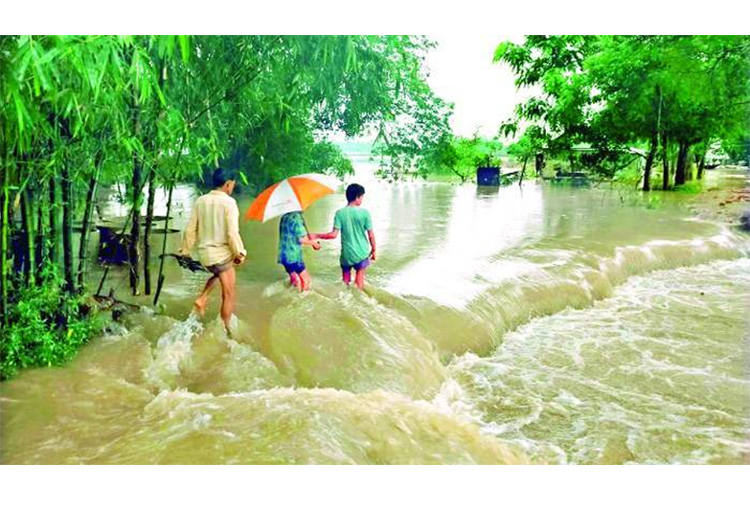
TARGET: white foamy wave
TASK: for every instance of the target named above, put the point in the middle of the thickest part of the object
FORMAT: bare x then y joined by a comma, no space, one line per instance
172,351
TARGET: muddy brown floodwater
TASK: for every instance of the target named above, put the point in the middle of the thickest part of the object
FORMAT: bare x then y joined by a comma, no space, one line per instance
533,324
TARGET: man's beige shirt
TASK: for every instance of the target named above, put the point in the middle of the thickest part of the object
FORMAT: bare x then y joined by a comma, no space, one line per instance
214,229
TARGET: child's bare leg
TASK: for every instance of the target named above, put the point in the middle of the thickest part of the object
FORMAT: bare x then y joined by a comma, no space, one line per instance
359,279
346,276
294,279
306,280
202,300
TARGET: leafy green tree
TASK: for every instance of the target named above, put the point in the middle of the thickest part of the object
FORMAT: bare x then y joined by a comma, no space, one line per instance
554,65
633,95
462,156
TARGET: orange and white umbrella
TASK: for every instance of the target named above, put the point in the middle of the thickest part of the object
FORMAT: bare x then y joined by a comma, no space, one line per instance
295,193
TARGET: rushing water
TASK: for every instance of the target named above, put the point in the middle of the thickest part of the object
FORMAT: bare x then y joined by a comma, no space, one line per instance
534,324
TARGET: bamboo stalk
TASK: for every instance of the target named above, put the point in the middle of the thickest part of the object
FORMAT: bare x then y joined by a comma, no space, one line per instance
27,220
122,231
152,192
137,197
55,223
90,196
67,230
160,278
4,244
147,232
41,237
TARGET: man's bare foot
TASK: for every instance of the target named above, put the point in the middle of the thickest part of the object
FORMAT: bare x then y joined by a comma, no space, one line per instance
200,307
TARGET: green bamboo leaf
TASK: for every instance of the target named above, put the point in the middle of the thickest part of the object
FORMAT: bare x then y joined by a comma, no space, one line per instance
39,74
184,47
24,56
20,112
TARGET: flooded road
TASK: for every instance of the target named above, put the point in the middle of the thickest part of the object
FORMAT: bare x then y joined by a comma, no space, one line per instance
533,324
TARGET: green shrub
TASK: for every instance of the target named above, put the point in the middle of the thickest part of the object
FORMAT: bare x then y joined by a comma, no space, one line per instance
45,326
630,175
690,187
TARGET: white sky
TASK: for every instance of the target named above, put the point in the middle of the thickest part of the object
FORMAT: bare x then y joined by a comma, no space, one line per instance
462,72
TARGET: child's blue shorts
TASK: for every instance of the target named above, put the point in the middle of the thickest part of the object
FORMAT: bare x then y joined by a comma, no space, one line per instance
294,268
357,266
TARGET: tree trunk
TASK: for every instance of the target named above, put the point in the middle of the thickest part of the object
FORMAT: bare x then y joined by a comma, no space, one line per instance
689,171
67,228
650,162
654,144
539,162
665,162
88,210
679,175
147,232
523,170
29,234
701,162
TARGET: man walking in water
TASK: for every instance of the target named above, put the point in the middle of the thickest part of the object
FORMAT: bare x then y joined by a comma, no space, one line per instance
213,230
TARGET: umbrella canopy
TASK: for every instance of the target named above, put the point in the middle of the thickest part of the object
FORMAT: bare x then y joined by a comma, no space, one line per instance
295,193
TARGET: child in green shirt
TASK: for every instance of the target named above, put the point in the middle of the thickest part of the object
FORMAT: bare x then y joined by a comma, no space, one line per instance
357,236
